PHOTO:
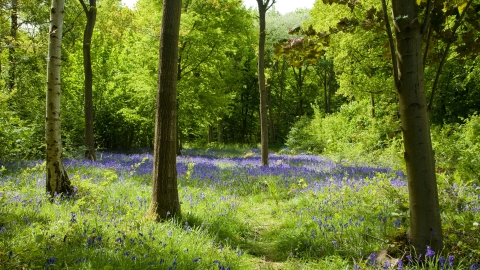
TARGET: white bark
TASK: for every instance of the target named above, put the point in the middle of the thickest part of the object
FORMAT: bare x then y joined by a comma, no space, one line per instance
57,179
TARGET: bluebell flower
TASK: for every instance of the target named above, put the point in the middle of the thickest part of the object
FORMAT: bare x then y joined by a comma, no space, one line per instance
441,262
397,223
474,266
430,252
196,259
450,260
400,265
409,258
51,260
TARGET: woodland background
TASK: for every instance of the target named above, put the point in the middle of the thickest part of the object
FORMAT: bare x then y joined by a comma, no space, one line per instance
341,103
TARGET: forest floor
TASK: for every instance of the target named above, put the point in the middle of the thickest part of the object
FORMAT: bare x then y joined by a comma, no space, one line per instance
300,212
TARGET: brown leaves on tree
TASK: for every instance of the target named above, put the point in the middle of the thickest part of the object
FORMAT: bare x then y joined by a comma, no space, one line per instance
305,49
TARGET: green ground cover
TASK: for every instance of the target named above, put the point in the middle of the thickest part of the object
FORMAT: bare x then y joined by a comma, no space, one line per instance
301,212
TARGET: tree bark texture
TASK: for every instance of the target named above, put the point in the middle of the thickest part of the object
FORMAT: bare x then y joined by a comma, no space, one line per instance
57,178
91,13
165,200
13,43
262,10
425,222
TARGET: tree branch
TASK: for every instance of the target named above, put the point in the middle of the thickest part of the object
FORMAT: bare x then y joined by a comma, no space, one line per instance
267,7
428,12
198,64
445,54
84,6
390,42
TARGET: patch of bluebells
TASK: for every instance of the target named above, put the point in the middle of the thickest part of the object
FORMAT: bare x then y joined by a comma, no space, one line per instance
211,169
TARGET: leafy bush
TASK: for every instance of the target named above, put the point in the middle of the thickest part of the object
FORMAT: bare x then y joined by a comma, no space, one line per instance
352,133
457,147
15,134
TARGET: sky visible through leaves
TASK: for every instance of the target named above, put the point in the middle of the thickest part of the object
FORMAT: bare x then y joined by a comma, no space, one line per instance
282,6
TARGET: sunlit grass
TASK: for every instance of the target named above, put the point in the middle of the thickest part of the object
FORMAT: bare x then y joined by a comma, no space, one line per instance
302,212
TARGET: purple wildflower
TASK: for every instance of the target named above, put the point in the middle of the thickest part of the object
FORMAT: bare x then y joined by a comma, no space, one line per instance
430,252
51,260
450,260
372,259
196,259
441,262
474,266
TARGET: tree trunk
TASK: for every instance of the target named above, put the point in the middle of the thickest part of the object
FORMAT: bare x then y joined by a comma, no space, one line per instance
220,131
57,178
210,134
372,103
425,223
262,10
271,114
91,13
165,201
325,90
13,43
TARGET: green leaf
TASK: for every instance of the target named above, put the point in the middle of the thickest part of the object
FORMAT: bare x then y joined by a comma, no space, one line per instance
462,7
420,1
39,238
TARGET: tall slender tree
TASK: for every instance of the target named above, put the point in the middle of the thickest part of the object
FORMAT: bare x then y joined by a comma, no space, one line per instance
91,13
165,200
13,43
57,178
263,7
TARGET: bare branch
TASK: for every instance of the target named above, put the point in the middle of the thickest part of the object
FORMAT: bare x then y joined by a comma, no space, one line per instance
428,13
84,6
390,42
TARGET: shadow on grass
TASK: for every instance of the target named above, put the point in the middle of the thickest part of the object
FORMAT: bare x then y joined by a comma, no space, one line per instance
265,242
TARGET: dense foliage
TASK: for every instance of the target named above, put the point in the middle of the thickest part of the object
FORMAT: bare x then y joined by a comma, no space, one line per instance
330,92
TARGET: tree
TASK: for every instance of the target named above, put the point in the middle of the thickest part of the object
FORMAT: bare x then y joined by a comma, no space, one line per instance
57,178
262,10
408,70
417,23
165,201
11,49
91,13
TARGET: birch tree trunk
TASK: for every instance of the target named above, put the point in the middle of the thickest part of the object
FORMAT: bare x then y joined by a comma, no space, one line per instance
57,178
165,200
425,222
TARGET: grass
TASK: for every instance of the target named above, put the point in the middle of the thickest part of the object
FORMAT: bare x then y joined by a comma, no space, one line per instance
301,212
